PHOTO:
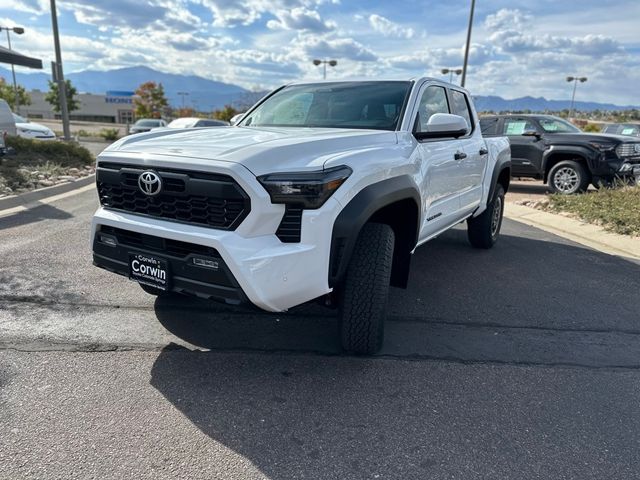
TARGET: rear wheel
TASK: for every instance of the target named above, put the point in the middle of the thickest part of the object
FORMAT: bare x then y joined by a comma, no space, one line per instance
568,177
483,230
364,295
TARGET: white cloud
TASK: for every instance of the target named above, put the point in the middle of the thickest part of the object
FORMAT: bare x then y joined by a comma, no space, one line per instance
388,28
506,19
300,18
333,48
37,7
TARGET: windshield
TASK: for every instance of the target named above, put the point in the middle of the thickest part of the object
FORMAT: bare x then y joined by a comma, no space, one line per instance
366,105
557,125
19,119
148,123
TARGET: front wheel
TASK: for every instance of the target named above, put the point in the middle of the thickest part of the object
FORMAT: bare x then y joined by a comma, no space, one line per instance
568,177
364,294
483,230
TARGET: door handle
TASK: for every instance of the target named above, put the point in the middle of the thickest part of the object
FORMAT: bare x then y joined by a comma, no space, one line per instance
460,155
483,151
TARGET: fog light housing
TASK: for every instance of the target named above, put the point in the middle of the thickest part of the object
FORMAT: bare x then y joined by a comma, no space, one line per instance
107,239
205,263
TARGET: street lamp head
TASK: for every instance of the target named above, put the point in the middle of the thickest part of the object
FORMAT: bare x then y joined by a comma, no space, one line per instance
317,62
570,79
18,30
333,63
583,79
458,71
445,71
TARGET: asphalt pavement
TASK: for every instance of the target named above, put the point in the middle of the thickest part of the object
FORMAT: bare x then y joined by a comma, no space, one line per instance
518,362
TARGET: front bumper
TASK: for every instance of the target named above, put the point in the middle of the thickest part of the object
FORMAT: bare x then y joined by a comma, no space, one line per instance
272,275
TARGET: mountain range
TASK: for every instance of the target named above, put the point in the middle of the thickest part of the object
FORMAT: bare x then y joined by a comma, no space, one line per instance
208,94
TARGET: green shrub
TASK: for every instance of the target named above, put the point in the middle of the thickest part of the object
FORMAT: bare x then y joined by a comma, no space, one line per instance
37,152
83,133
109,134
591,127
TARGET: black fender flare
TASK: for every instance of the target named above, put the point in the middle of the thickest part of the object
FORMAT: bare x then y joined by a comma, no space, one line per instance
577,150
358,211
501,165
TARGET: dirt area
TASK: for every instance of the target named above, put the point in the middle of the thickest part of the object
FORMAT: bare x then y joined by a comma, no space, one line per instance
526,189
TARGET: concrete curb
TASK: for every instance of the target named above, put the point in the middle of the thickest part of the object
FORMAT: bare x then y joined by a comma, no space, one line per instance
586,234
27,198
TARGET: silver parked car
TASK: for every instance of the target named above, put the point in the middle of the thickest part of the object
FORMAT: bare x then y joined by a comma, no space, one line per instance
146,125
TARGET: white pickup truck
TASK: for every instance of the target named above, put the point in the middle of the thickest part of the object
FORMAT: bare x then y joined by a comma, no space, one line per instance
322,190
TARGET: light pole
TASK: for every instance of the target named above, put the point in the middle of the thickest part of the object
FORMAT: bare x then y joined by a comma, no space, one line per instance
468,45
451,71
183,94
575,81
62,86
17,31
331,63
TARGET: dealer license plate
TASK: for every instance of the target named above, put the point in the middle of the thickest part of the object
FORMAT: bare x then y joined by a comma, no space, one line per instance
149,270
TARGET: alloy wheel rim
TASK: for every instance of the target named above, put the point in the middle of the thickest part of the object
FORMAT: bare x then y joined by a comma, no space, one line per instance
566,180
497,214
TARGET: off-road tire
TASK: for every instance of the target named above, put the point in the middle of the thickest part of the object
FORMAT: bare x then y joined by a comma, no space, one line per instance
483,231
154,291
365,290
577,178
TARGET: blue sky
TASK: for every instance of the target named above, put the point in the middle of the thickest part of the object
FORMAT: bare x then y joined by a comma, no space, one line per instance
518,47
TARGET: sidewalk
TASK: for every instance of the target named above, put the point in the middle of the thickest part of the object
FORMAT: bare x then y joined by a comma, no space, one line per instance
587,234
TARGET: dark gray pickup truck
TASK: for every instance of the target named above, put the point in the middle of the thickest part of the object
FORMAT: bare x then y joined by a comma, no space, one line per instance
553,150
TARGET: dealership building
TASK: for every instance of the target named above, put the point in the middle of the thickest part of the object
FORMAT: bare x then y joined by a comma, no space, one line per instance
112,107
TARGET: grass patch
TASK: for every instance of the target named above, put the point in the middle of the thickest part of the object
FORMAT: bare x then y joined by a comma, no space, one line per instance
37,163
616,209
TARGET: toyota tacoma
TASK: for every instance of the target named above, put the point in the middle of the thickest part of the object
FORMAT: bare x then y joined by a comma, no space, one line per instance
551,149
320,191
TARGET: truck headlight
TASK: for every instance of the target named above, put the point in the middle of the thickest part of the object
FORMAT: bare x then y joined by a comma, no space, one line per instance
309,189
603,147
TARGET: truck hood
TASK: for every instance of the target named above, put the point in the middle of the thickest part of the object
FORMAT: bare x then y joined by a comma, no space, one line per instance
260,149
589,137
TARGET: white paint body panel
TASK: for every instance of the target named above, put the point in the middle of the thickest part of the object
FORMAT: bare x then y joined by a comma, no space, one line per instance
276,276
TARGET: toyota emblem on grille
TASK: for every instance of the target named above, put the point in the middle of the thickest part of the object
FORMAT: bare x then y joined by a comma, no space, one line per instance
150,183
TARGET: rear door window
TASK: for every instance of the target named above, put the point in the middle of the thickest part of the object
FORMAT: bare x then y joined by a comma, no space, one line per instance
460,106
489,126
517,126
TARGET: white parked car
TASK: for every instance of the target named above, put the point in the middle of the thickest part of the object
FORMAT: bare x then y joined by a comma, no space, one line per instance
322,191
194,122
27,129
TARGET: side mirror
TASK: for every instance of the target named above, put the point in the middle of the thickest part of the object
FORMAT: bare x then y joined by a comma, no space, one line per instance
236,118
442,125
531,133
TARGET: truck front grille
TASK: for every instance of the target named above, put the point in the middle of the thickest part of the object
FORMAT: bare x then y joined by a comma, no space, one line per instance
628,150
204,199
